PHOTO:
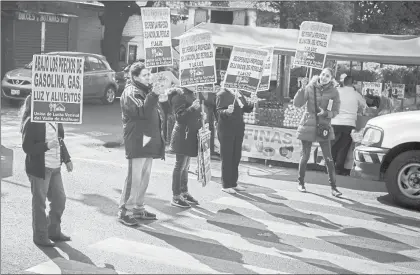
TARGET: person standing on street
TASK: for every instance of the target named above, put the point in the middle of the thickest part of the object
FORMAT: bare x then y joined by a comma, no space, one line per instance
322,101
45,151
184,142
345,122
143,142
230,108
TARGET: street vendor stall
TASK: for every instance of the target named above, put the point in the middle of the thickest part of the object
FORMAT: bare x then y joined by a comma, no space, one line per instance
271,130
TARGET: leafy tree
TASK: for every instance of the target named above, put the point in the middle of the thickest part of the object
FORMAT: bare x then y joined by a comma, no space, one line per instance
393,17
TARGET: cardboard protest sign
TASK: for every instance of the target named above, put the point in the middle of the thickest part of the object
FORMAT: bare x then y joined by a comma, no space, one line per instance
266,75
204,159
57,89
206,88
197,65
312,46
157,36
245,69
371,88
398,91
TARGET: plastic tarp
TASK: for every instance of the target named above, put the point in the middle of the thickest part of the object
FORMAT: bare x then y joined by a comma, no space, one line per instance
387,49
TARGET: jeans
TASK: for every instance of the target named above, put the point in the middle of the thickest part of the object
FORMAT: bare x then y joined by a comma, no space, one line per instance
326,151
230,153
341,145
134,192
180,175
52,188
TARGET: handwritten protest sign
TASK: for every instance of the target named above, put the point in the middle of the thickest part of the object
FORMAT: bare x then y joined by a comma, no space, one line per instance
197,64
157,36
57,89
266,75
398,90
245,69
371,88
312,46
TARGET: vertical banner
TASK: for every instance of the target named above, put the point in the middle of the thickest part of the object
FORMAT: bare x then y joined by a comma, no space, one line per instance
157,36
57,89
245,69
197,65
204,159
312,46
371,88
266,75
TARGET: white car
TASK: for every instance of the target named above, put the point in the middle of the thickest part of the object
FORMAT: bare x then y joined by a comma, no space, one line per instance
390,152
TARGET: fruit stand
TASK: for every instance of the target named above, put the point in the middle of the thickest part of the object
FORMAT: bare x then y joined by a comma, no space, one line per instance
270,132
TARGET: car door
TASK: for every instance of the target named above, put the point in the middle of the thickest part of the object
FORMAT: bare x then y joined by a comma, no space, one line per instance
100,76
87,80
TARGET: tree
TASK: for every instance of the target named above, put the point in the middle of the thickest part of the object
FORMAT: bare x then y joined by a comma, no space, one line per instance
293,13
114,18
394,17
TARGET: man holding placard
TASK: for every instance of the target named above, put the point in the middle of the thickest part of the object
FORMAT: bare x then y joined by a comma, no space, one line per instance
57,93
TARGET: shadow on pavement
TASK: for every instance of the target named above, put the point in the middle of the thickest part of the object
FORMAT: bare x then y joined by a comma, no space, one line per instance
103,204
387,200
78,263
207,251
17,183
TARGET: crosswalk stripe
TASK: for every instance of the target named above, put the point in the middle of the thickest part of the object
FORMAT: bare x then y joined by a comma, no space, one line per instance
354,222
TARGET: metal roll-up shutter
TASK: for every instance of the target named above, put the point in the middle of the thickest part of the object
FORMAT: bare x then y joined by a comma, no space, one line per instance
56,37
27,41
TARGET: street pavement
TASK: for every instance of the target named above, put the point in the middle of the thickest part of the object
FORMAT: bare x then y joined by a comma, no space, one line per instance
271,228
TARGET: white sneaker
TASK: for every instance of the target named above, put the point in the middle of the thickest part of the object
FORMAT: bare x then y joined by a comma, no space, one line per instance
229,190
239,188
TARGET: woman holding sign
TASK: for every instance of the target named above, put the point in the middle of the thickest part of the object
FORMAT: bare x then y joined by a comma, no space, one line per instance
322,101
45,153
184,142
143,142
230,108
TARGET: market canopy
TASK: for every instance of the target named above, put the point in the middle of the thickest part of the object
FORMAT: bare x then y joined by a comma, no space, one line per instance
388,49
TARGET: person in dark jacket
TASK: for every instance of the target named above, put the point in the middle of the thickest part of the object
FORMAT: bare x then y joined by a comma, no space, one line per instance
230,108
184,142
45,153
307,130
143,141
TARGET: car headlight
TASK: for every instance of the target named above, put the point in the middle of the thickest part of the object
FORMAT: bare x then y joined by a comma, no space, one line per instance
372,137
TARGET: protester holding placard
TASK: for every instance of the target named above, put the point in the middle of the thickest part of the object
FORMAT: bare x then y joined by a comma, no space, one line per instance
230,108
45,151
323,103
143,142
184,142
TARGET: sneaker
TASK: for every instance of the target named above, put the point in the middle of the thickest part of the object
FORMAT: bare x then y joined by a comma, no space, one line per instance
239,188
229,190
145,215
302,188
180,202
128,220
335,192
190,199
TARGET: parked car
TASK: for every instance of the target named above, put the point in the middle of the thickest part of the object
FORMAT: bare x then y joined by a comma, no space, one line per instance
390,152
98,81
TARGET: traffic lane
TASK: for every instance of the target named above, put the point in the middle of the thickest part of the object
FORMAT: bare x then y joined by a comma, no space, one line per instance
93,202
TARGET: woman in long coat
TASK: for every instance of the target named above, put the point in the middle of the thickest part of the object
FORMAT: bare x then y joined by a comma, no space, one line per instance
230,131
184,141
326,93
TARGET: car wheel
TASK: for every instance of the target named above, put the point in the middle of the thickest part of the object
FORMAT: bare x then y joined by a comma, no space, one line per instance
403,179
109,96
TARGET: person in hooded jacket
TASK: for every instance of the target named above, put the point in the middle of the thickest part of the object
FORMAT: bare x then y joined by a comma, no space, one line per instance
230,108
143,141
325,91
184,141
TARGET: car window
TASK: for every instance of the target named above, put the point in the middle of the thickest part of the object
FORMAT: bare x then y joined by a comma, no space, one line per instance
96,64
